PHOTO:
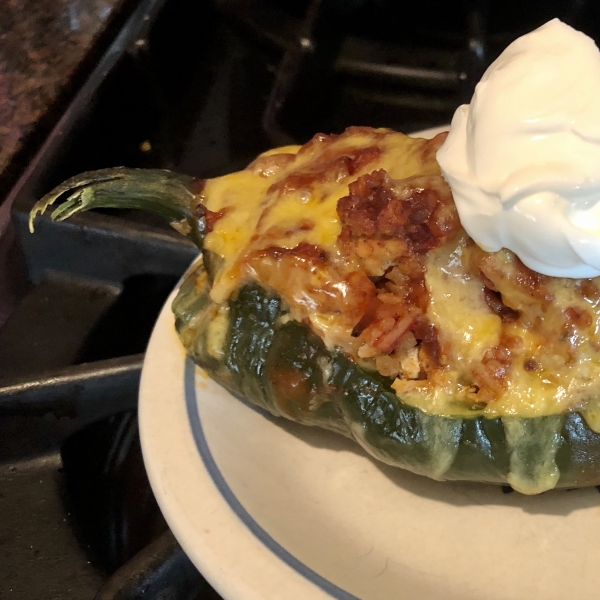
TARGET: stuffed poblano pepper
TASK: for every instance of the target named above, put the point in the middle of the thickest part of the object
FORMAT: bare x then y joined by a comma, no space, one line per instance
339,289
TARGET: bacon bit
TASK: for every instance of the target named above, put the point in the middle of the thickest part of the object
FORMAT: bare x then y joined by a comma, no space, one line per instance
494,301
304,251
419,210
530,365
388,341
368,196
491,375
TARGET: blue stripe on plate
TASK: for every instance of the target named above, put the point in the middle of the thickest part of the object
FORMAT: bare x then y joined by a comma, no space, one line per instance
237,507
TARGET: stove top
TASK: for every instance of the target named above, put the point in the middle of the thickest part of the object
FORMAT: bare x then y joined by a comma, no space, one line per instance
201,88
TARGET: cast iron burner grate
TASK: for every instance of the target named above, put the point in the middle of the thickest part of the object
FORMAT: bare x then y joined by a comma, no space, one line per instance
199,87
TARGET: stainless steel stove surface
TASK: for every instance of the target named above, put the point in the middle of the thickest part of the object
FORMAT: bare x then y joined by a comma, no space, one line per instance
201,88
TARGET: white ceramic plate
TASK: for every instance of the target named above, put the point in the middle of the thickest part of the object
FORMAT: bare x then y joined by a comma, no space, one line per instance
271,510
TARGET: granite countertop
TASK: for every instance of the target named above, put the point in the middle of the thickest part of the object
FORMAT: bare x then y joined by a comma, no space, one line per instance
42,44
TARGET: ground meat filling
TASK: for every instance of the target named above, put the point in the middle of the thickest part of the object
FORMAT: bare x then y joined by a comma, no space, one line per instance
388,226
418,210
524,300
372,280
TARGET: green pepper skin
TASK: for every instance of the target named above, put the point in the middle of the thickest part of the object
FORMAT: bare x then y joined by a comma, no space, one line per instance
283,367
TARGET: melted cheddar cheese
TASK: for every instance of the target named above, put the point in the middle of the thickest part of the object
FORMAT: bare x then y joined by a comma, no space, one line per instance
359,236
261,210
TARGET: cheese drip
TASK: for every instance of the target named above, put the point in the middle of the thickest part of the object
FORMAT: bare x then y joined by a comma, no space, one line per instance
289,196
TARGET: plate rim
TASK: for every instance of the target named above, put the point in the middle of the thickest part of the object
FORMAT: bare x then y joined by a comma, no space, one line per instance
212,468
215,556
229,587
230,579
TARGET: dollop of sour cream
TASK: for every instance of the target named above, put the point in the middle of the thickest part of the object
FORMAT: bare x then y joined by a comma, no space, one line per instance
523,159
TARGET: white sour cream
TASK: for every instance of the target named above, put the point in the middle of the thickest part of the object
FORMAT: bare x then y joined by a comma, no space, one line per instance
523,159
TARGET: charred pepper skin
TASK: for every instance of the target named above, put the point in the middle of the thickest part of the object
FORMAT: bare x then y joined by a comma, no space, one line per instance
283,367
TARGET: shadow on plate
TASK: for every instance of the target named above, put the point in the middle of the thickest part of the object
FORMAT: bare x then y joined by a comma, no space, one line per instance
457,493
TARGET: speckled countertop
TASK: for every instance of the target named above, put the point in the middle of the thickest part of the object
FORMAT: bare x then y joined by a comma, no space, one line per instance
42,44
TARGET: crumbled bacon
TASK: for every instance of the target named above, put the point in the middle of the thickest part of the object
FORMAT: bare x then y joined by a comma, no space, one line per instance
395,223
305,252
359,211
491,375
372,297
419,210
530,365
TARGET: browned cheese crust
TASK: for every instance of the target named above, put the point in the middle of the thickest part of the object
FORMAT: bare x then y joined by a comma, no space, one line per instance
370,291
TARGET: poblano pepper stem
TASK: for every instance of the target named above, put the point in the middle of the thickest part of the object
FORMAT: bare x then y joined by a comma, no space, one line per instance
170,196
